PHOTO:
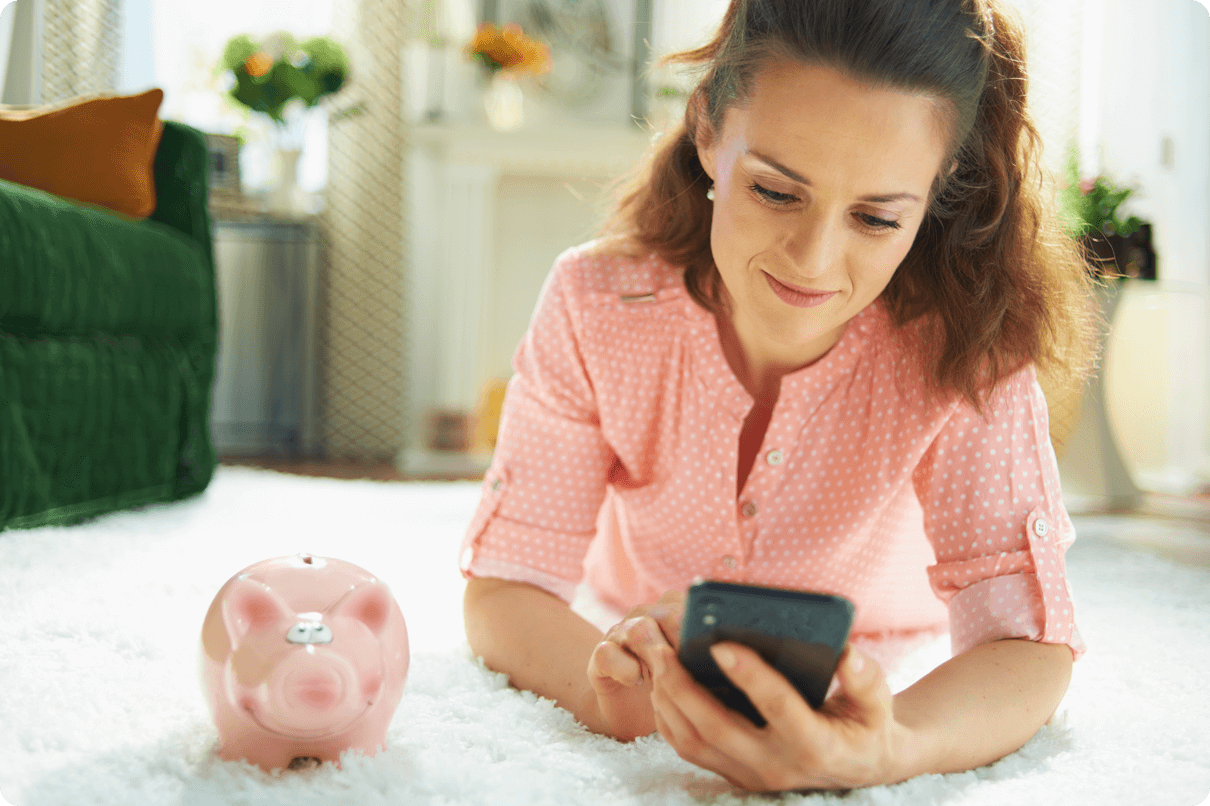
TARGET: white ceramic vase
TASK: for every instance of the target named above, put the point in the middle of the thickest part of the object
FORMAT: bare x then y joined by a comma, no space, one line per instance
504,103
286,197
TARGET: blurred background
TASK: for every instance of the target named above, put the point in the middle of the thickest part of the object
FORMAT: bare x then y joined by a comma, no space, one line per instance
380,249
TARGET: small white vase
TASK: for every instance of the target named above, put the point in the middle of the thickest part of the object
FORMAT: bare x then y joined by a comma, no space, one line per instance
286,197
504,103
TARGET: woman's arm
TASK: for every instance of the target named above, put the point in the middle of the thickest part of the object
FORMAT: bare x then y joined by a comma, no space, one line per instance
970,711
533,637
981,705
545,647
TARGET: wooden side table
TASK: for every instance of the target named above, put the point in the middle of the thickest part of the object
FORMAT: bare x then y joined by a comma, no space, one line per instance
265,394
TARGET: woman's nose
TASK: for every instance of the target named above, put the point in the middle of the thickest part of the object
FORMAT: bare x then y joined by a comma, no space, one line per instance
813,245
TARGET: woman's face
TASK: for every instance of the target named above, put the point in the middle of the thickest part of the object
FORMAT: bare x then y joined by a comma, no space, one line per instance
821,183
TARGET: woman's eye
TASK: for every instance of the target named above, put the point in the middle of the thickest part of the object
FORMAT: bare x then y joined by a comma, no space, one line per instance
874,222
772,195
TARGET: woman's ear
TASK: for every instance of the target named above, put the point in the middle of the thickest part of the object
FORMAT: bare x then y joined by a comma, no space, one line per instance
703,140
706,156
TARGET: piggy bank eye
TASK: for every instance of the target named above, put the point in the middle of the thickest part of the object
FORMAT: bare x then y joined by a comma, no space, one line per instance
299,634
321,634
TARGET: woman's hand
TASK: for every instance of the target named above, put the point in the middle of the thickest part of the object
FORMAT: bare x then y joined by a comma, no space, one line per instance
620,678
852,741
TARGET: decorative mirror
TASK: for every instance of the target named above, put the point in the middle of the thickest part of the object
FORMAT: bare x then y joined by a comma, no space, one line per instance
583,43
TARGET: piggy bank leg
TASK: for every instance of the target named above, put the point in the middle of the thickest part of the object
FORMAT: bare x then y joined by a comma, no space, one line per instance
303,763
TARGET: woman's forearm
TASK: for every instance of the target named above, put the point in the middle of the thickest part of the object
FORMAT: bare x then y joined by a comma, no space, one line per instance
980,706
536,639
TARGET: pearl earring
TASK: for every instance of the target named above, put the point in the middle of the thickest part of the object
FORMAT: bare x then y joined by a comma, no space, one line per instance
710,193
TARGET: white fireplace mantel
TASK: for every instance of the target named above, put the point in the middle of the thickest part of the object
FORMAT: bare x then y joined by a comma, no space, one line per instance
598,151
488,213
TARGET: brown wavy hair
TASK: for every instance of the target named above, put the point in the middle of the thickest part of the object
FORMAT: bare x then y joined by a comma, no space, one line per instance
992,282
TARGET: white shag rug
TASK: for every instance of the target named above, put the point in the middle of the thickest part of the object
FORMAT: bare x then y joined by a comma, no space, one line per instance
100,700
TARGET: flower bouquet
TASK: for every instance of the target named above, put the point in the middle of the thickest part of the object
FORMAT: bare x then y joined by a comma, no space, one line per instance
506,54
508,49
269,75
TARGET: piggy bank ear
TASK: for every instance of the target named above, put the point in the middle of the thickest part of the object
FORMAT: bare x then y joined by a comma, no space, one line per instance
249,604
369,603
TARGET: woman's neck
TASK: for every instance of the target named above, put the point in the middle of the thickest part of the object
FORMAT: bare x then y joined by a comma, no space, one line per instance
758,365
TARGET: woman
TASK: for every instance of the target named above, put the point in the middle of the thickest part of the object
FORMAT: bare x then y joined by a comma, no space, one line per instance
804,356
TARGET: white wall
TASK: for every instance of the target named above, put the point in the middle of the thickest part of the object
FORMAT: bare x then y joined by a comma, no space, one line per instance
8,14
137,72
22,71
1153,132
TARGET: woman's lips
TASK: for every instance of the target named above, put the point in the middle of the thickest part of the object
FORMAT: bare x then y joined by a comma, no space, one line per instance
798,297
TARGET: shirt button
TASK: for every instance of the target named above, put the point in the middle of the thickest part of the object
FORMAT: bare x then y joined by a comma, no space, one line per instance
729,561
749,509
774,458
496,485
1041,527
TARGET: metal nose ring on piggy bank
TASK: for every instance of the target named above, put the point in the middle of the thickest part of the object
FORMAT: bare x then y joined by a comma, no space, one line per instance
310,631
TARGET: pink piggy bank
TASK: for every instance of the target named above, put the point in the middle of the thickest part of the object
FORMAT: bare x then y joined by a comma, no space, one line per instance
302,658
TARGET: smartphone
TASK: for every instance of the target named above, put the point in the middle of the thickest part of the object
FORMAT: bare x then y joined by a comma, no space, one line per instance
799,633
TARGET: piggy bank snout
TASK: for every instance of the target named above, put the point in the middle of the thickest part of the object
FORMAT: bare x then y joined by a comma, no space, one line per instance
313,690
309,694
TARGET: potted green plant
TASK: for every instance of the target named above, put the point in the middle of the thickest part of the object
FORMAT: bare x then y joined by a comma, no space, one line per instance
1114,246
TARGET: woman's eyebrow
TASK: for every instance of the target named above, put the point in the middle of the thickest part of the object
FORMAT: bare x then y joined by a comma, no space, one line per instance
881,198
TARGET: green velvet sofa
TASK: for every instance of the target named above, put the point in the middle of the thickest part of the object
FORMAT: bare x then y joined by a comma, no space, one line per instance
108,337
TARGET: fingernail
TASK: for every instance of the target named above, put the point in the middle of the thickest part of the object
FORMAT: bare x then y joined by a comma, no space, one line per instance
858,664
723,656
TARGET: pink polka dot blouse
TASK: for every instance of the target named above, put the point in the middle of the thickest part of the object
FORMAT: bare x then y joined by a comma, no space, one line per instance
616,466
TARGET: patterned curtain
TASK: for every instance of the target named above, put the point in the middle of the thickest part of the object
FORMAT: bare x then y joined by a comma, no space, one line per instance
362,325
81,48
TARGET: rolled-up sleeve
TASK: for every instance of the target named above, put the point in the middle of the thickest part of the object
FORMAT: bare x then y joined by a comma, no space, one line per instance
994,513
541,496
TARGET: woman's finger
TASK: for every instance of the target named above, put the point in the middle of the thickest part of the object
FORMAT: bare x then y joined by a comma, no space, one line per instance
782,706
608,660
683,737
863,693
668,612
641,636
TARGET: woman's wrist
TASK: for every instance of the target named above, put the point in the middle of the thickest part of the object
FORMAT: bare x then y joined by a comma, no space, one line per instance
910,753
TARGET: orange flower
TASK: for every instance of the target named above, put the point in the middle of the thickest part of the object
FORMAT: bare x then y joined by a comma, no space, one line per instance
258,64
508,49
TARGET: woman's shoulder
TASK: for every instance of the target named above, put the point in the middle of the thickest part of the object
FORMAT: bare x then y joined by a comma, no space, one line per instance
612,268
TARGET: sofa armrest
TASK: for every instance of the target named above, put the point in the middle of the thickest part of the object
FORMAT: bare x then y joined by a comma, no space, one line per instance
182,184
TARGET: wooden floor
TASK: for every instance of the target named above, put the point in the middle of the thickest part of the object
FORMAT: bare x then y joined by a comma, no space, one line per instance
342,469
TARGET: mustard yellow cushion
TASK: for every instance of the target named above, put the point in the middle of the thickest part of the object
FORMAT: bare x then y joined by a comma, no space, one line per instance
97,151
